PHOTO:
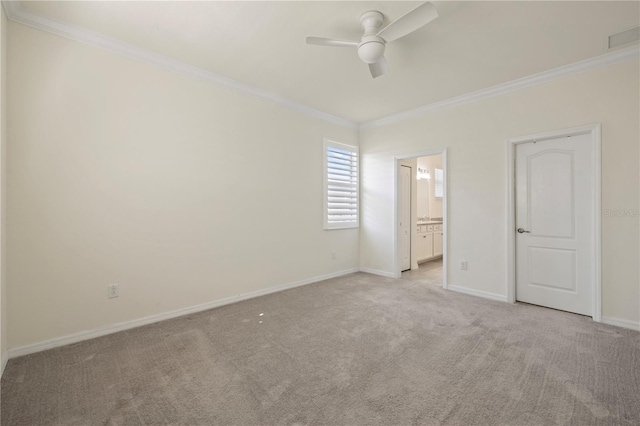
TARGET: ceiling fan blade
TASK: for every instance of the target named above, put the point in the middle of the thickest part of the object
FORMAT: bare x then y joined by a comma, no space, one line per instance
320,41
379,68
409,22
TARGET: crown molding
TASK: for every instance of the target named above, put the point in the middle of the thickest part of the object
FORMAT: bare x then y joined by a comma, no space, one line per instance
10,8
15,12
605,60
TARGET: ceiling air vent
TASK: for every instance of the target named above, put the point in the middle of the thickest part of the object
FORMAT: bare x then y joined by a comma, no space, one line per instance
623,38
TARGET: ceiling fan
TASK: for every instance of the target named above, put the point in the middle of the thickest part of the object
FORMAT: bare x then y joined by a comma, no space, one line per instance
372,44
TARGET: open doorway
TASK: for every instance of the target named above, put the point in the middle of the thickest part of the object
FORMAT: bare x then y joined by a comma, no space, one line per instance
421,217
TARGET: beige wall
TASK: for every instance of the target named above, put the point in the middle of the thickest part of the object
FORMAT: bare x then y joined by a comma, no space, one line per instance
185,193
3,150
475,135
179,191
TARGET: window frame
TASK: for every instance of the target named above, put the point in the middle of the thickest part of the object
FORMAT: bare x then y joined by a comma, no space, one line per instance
329,143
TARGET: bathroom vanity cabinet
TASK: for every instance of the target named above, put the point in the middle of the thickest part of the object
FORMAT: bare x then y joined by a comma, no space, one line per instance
429,241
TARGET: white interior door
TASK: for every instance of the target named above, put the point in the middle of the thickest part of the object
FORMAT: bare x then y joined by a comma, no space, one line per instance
405,218
555,223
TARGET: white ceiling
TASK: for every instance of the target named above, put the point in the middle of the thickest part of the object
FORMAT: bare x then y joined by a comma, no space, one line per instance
472,45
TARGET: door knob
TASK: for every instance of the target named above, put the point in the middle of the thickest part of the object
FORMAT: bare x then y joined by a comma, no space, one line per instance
521,231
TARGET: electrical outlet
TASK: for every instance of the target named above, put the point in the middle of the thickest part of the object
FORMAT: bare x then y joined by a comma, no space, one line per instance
113,291
333,255
464,265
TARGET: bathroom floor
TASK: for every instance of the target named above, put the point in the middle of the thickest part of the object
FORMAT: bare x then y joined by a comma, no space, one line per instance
430,272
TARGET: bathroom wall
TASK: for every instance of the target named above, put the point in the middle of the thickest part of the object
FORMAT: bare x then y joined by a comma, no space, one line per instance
433,205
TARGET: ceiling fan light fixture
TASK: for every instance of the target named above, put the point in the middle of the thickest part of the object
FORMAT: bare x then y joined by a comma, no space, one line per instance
370,51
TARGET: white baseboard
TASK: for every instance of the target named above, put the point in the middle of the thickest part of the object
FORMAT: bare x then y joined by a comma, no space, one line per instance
631,325
378,272
114,328
5,359
478,293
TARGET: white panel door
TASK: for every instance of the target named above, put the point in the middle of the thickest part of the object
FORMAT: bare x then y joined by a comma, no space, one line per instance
405,218
555,223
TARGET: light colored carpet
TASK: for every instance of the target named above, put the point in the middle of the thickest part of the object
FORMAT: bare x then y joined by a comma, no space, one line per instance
356,350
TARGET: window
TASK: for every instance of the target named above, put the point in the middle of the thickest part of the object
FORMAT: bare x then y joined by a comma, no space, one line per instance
439,183
341,206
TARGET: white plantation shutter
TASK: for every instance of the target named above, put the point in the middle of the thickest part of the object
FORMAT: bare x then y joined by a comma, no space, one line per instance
341,207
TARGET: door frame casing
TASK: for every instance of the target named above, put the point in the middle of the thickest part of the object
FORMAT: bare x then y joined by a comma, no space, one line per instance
594,130
396,210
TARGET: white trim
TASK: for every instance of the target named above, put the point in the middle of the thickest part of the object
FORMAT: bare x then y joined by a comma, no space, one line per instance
115,328
596,134
17,13
595,130
396,213
478,293
511,223
631,325
11,8
412,232
378,272
5,359
604,60
445,223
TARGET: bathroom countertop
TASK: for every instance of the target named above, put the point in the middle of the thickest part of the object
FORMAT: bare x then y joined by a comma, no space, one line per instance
430,222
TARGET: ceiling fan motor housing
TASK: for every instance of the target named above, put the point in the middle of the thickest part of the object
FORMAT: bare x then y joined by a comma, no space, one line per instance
371,47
